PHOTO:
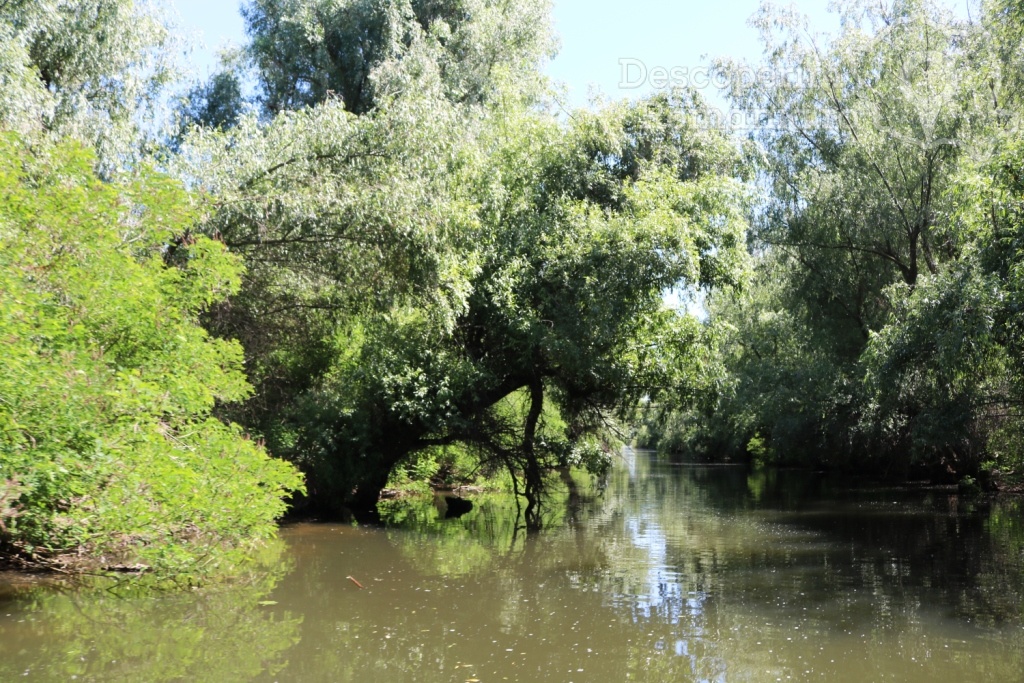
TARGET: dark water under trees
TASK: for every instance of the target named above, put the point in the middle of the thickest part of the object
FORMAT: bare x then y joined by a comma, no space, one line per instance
676,573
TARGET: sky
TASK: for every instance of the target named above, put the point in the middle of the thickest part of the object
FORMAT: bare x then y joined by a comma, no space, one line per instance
607,45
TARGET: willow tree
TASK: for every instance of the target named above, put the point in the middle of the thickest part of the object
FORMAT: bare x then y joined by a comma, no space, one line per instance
359,51
91,69
875,335
945,374
578,228
336,217
341,195
860,137
426,245
442,264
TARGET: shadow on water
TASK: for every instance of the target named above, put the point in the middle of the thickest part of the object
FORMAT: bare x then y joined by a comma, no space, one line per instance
681,573
963,553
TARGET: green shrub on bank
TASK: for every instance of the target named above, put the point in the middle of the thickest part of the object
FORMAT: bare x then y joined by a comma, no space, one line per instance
108,451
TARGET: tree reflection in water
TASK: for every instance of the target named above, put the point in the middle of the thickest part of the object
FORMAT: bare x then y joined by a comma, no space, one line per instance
675,573
105,632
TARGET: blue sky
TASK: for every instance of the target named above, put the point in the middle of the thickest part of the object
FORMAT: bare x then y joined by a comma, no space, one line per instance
595,35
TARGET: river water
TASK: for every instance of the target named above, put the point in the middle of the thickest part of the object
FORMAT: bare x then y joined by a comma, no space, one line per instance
674,573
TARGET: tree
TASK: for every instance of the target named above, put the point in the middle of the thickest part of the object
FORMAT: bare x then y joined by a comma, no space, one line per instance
425,248
107,443
362,50
580,229
878,332
946,376
217,104
860,140
92,69
336,217
941,377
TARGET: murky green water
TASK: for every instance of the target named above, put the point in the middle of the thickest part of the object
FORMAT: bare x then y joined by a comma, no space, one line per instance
676,573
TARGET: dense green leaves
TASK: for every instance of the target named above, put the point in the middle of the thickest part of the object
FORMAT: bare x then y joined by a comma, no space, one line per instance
420,249
364,51
879,332
108,379
92,69
432,258
578,229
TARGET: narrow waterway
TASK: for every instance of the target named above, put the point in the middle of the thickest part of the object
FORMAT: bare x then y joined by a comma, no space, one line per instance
674,573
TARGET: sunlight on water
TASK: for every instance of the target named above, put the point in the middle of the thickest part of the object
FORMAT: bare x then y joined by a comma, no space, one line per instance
675,573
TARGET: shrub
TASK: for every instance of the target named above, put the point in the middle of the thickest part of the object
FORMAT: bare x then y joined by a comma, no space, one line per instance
109,381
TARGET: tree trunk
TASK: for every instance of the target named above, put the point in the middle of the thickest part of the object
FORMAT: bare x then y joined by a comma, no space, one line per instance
533,479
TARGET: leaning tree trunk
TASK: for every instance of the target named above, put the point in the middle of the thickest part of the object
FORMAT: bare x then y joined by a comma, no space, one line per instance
533,481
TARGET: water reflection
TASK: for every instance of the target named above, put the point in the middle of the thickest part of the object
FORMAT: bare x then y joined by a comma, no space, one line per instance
115,632
675,573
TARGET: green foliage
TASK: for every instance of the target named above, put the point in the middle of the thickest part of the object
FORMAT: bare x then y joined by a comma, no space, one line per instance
92,69
936,375
759,452
109,381
576,231
944,375
879,330
364,51
217,104
442,276
335,216
445,467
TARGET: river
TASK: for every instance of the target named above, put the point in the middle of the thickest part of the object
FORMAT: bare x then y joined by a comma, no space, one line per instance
673,573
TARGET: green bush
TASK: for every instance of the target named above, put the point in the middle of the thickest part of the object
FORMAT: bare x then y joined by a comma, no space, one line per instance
106,434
